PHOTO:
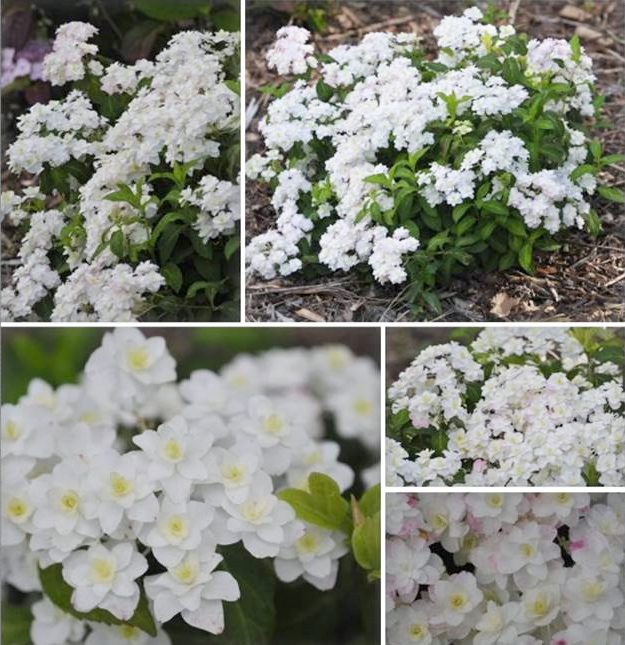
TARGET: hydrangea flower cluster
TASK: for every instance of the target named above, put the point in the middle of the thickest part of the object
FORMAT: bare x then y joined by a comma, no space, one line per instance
132,484
379,156
137,176
517,407
505,569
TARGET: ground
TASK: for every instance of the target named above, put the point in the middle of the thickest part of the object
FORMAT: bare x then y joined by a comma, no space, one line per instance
584,281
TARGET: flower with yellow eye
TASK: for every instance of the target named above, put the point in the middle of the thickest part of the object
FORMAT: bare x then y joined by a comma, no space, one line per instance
104,577
121,488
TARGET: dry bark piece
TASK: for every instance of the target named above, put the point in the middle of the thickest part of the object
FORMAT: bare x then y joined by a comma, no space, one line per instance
503,304
310,315
587,33
575,13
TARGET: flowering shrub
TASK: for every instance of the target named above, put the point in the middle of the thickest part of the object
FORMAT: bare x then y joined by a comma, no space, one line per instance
417,168
135,208
517,407
132,498
505,569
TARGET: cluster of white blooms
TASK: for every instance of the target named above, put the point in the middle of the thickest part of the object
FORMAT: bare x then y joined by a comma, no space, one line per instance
517,407
177,110
370,103
133,481
505,569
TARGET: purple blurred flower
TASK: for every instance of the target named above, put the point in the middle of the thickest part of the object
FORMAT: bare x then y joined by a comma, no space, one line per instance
28,61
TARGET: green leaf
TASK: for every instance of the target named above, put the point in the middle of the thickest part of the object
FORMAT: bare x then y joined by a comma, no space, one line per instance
460,210
467,223
171,10
380,179
611,193
595,149
432,300
582,170
366,545
608,159
576,48
495,207
515,226
231,246
440,441
235,86
322,506
526,257
60,593
167,241
593,223
370,502
173,276
324,91
250,620
117,243
15,624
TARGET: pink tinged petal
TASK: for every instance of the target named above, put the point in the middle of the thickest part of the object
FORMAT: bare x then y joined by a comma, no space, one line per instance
209,617
145,510
288,570
222,586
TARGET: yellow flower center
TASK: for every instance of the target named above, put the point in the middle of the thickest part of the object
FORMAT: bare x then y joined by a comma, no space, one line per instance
138,358
172,450
540,605
233,473
11,430
273,424
69,502
495,501
186,572
307,544
18,510
417,632
102,570
120,486
591,591
563,498
457,600
129,633
312,458
527,550
254,510
362,407
439,522
177,527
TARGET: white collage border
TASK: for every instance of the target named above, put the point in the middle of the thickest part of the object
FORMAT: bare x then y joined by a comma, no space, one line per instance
382,339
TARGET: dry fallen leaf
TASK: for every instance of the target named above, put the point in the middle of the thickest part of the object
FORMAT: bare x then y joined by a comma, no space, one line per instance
575,13
587,33
503,304
310,315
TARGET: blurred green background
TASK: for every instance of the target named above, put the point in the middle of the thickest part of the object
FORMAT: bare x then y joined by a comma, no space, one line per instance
59,355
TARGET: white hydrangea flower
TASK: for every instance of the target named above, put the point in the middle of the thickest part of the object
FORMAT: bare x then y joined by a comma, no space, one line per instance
105,577
52,626
194,590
